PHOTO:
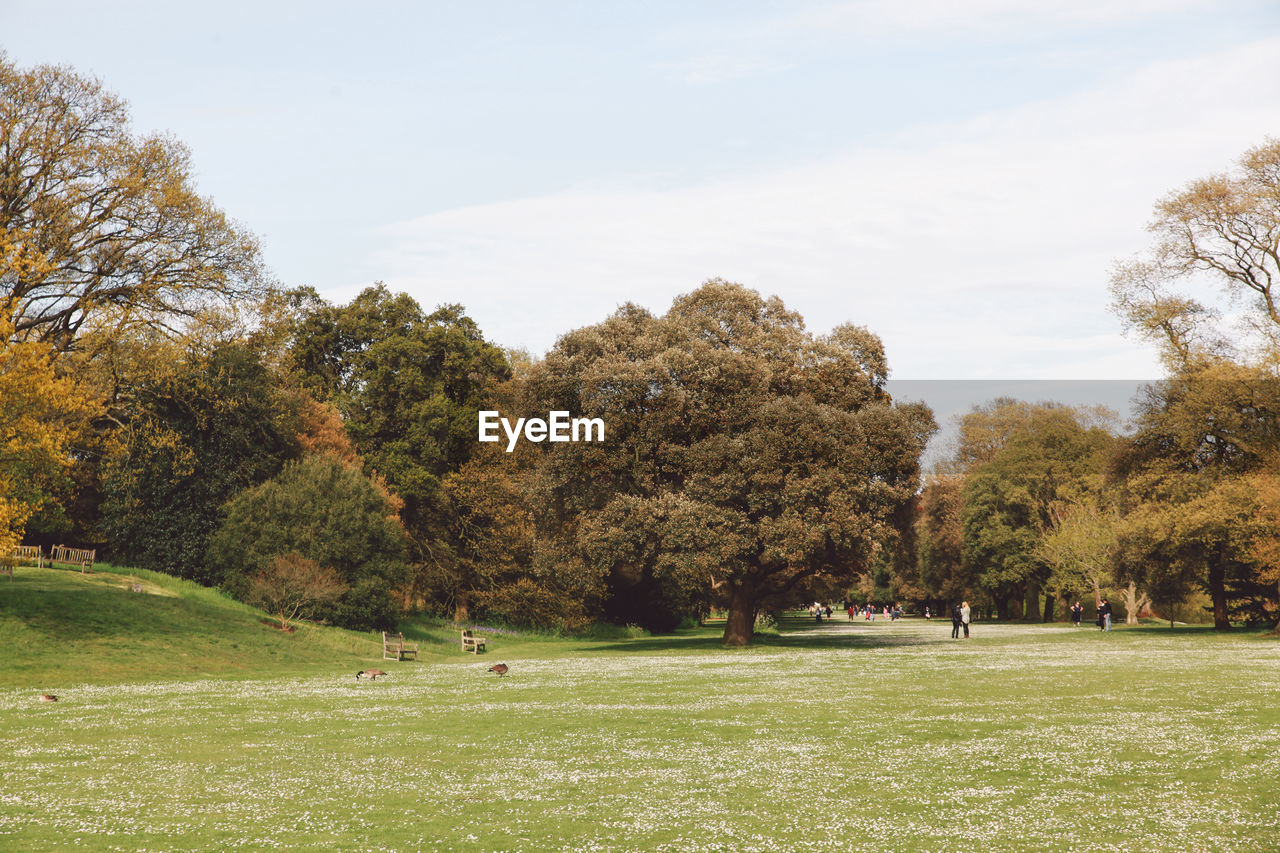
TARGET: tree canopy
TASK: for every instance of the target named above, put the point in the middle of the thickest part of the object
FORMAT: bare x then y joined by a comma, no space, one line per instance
745,457
202,427
1010,500
324,511
1205,441
408,384
1222,229
98,221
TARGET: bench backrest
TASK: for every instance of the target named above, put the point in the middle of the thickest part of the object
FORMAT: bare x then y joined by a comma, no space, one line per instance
392,639
63,554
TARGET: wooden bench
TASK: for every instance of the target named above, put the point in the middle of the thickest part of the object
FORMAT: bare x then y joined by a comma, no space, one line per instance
29,554
472,643
72,556
22,554
395,648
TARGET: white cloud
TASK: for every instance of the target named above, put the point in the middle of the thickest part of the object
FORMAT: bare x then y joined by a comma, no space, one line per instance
975,249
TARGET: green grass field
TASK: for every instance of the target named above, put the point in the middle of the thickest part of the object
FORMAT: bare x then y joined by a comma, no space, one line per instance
844,736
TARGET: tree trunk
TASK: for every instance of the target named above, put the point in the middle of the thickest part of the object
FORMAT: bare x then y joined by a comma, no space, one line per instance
1049,602
461,609
740,626
1015,604
1134,602
1031,610
1218,590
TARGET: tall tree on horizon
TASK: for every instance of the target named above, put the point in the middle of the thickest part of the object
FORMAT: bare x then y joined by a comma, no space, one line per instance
1216,417
744,456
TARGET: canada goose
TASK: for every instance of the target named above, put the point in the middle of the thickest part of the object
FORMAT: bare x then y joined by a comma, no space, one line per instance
48,697
500,668
372,673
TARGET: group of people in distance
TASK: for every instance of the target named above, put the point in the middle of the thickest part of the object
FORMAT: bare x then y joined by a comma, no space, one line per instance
820,610
868,612
960,615
1104,614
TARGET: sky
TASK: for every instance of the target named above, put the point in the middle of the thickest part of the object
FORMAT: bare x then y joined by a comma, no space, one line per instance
957,175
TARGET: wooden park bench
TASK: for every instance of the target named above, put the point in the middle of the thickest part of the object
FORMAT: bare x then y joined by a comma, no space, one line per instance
472,643
29,554
395,648
22,554
73,557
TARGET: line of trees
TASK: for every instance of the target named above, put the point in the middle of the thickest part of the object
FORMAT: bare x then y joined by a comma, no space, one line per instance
198,419
162,399
1042,504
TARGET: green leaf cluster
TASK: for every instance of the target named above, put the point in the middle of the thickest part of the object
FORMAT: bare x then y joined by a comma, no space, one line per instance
199,433
328,512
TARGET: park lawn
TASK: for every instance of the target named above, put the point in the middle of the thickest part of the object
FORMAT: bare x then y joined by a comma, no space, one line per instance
885,736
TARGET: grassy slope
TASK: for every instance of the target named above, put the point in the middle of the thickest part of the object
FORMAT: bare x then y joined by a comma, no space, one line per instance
59,627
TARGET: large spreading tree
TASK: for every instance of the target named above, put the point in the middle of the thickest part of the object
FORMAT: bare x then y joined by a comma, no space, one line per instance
744,456
105,246
1215,422
99,222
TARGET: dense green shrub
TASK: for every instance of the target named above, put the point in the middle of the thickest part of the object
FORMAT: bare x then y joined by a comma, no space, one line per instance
327,511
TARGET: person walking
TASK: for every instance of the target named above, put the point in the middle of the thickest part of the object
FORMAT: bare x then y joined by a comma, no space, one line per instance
955,621
964,618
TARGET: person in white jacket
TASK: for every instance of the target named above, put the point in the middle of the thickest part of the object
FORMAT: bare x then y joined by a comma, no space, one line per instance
964,618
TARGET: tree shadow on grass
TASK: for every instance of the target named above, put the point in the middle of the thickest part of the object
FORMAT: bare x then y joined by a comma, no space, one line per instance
1152,629
792,634
423,636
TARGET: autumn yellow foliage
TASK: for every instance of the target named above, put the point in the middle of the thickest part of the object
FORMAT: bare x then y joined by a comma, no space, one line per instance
40,412
1265,489
95,218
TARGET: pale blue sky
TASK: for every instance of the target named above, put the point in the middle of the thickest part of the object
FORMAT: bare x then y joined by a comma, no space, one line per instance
956,175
